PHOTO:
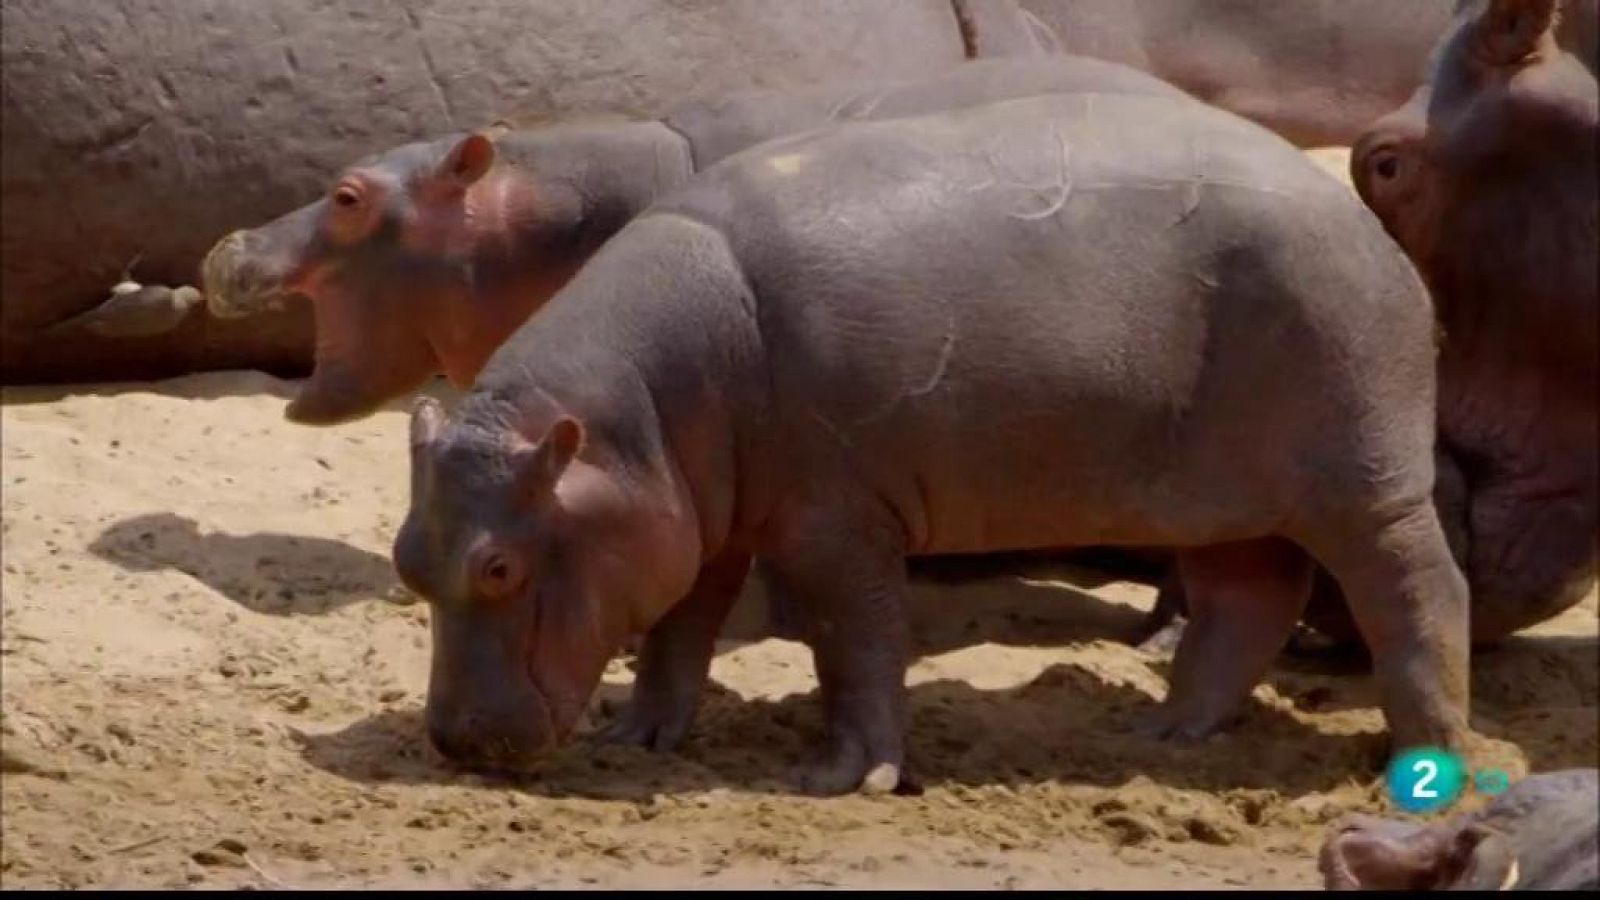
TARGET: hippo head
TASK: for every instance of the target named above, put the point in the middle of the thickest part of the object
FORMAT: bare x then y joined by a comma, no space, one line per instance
1367,853
1486,176
397,260
537,565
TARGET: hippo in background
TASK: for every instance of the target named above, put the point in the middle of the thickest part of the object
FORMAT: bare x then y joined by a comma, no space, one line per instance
1317,72
424,258
1542,834
1487,178
147,128
760,366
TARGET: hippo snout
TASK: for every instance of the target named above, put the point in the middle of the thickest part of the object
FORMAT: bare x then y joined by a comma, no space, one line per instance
491,739
246,273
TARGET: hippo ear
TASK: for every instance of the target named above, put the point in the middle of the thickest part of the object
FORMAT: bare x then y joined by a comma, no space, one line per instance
468,161
427,417
1509,30
540,467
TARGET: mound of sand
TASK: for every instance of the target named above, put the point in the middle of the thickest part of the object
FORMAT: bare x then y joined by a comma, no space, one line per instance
211,677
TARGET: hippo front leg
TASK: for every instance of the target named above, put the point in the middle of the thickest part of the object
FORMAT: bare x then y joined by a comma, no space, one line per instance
852,582
676,658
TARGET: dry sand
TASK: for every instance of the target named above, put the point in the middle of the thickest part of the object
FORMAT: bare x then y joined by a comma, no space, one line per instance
211,678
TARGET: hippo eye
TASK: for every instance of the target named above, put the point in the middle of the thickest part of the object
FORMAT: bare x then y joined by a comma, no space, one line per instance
498,575
1388,166
346,196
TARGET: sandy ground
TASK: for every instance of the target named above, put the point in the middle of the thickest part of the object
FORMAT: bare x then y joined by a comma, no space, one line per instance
211,677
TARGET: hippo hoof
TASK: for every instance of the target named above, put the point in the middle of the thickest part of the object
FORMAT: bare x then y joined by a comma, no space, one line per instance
844,769
661,732
883,779
1165,723
1164,642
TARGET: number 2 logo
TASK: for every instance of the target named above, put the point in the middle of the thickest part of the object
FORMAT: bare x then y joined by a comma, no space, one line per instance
1425,779
1420,789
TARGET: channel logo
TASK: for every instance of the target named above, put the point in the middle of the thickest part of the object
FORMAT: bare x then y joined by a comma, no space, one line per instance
1428,779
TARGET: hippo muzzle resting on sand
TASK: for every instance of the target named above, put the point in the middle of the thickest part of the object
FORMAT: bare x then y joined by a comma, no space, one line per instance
426,257
1058,321
1541,835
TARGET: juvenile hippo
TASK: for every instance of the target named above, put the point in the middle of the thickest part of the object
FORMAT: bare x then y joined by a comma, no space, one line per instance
426,257
1487,178
1541,835
1057,321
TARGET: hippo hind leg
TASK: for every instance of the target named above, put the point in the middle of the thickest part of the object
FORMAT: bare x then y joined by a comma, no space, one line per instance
1244,599
1409,600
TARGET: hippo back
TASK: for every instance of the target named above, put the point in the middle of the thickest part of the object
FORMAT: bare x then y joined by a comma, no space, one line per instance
718,128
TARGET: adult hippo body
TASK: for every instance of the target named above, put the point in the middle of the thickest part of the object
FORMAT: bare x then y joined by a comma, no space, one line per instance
1317,72
490,243
1543,834
147,129
1057,321
1488,179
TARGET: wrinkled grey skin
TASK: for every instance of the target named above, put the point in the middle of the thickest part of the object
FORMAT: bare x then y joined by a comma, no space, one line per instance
156,126
1540,835
1317,72
552,196
1059,321
1487,177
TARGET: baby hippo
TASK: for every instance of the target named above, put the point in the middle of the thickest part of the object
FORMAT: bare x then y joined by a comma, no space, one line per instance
1084,319
1541,835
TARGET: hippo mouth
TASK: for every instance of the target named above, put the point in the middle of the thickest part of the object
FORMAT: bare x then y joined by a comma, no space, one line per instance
506,731
348,383
332,395
335,393
505,754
